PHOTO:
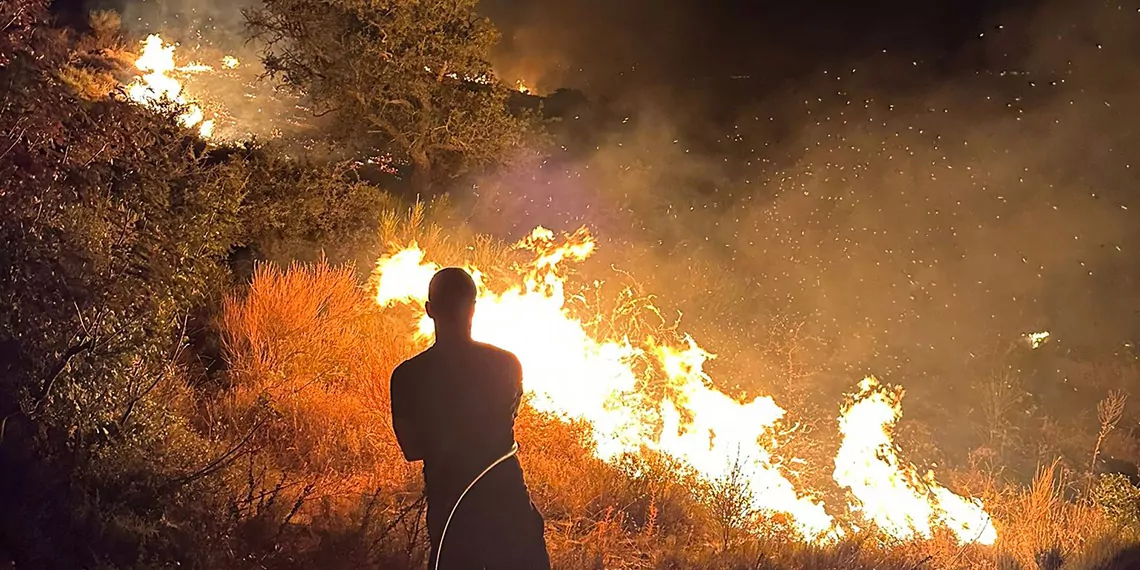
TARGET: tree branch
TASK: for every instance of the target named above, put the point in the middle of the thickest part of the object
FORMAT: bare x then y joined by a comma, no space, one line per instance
158,377
222,460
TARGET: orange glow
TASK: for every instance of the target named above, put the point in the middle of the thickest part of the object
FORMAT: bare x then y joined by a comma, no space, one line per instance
571,374
156,85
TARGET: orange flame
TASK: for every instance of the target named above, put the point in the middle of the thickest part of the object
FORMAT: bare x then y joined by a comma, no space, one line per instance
569,373
156,85
889,492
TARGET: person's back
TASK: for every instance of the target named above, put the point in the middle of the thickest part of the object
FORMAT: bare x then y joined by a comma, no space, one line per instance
454,406
465,397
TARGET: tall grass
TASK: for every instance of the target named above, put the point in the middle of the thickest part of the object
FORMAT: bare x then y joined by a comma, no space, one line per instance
310,358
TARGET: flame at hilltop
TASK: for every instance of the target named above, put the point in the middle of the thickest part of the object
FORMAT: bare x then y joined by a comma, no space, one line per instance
888,492
571,374
157,86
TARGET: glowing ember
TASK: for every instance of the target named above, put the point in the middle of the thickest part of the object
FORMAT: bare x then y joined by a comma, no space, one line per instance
885,490
1037,339
569,373
481,78
157,86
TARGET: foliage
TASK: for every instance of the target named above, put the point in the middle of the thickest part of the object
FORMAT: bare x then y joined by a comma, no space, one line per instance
115,230
105,261
730,501
304,208
118,227
411,77
1119,498
18,20
1038,523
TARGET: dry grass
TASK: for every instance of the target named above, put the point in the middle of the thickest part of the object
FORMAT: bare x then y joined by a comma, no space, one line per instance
1038,523
311,356
92,85
308,346
431,227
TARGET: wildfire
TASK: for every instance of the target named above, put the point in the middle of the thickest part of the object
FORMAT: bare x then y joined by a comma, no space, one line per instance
889,492
522,87
156,86
569,373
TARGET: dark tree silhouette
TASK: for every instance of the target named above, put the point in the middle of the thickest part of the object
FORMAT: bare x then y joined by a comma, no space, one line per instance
411,78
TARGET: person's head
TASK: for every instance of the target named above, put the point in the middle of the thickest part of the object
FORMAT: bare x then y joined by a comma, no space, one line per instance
451,301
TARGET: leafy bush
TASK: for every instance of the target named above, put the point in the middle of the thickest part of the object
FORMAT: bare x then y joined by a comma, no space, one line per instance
1119,498
118,228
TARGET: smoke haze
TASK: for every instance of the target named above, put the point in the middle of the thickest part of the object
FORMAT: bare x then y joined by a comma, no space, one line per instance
917,204
914,197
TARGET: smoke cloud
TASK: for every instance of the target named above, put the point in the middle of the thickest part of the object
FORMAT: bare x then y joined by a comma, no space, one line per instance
916,205
915,200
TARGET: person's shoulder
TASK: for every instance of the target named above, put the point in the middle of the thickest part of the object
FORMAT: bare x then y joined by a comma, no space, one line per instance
500,355
412,365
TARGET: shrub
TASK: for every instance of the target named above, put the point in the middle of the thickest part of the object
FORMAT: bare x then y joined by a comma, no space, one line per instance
310,344
1119,498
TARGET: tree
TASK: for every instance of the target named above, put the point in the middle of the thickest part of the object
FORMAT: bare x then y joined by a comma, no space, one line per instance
119,229
409,77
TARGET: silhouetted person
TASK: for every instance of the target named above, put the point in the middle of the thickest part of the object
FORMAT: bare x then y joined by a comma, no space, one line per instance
454,407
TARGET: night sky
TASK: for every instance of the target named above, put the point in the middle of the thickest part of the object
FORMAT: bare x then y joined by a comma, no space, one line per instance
591,43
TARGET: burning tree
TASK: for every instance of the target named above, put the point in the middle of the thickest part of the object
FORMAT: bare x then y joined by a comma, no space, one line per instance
410,77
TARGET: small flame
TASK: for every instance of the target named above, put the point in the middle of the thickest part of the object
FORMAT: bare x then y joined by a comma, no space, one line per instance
481,78
156,86
1036,339
522,87
230,62
889,492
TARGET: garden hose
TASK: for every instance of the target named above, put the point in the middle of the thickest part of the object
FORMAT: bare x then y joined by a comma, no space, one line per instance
442,535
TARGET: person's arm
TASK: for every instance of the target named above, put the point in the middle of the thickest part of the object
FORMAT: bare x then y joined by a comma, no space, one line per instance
404,414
